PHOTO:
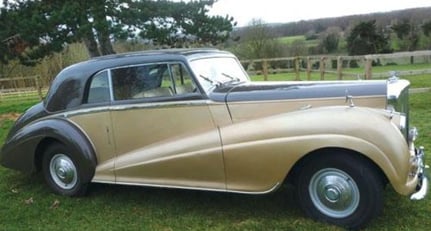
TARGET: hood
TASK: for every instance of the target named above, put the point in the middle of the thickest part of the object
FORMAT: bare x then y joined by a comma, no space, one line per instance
266,91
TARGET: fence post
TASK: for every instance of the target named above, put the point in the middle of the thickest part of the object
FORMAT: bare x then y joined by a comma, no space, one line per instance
250,67
340,67
14,83
368,67
265,70
322,68
297,77
308,68
39,87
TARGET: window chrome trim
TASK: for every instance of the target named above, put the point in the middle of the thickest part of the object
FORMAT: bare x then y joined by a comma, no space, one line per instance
169,104
111,87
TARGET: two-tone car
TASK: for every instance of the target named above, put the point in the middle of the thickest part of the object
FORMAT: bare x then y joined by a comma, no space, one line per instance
192,119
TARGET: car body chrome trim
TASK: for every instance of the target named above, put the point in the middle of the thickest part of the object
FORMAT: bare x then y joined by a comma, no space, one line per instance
122,107
396,87
423,178
272,189
84,111
423,191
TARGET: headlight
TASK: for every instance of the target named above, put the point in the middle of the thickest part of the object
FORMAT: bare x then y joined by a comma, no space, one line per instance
390,108
403,122
413,134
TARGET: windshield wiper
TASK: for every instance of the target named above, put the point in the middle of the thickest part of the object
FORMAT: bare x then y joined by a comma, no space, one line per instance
236,79
213,82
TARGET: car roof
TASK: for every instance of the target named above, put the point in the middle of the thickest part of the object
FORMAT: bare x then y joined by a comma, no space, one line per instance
161,52
115,60
67,89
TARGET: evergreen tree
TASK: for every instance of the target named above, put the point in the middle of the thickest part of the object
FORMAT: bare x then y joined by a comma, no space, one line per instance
408,33
46,26
426,28
365,39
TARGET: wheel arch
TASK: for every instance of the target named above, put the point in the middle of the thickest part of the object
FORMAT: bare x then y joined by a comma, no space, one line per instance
40,150
343,188
292,175
66,133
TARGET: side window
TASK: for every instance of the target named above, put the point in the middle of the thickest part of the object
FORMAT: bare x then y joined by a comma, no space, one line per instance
183,83
99,89
141,82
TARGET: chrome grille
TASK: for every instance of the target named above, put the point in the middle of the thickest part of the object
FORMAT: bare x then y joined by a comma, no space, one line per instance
398,99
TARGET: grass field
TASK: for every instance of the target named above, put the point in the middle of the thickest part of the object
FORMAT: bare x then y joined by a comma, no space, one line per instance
291,39
27,204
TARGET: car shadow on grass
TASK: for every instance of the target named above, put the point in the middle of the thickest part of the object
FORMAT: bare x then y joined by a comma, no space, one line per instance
279,207
201,210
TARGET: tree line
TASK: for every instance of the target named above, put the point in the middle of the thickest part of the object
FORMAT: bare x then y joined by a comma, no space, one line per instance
260,40
345,23
34,29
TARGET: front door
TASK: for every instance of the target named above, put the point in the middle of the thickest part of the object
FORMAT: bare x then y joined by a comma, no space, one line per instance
163,129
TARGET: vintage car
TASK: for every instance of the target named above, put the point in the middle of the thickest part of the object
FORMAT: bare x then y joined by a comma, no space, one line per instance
192,119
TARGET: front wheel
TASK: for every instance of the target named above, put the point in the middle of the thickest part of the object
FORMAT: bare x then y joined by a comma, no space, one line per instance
341,189
61,171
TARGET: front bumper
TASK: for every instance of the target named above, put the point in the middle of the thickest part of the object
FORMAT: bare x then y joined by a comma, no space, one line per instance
422,186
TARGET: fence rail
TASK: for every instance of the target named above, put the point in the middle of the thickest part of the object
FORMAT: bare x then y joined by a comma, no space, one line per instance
31,87
336,65
21,95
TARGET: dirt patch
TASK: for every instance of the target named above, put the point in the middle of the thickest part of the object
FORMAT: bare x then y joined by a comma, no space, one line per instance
9,116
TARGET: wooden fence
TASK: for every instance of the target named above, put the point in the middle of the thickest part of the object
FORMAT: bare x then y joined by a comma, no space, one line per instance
32,87
21,88
22,95
337,65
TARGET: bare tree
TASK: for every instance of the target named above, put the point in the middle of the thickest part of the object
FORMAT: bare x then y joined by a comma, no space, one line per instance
329,40
259,41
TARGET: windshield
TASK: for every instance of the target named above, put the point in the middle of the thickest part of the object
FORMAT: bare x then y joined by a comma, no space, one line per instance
217,71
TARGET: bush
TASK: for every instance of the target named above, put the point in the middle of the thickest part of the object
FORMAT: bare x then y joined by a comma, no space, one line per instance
354,64
391,64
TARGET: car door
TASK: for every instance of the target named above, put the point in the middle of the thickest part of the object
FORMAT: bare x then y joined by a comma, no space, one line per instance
94,118
163,129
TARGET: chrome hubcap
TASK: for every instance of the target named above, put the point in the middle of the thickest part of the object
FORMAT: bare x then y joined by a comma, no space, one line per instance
334,193
63,171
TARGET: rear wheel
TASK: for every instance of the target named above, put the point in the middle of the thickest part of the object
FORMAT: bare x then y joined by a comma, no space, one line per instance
340,188
62,172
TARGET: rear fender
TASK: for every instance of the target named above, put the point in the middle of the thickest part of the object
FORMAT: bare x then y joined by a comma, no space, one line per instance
21,150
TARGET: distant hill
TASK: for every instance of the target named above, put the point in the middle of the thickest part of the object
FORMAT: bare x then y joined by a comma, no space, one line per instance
415,15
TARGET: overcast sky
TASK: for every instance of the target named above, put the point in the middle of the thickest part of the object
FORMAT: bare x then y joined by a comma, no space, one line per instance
273,11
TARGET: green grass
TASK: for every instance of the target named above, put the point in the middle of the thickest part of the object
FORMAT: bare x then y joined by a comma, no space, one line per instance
109,207
291,39
16,106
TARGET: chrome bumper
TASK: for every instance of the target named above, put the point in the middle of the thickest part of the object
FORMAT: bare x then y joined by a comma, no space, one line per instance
422,187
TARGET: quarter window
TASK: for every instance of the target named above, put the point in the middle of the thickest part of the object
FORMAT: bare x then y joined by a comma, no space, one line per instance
99,89
183,83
